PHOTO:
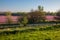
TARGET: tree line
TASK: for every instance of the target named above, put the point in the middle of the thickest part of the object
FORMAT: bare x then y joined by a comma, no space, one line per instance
34,16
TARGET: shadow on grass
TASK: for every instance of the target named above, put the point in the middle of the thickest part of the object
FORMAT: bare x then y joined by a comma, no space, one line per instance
29,30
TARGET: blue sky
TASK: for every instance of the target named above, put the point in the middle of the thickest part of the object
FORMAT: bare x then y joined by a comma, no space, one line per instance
27,5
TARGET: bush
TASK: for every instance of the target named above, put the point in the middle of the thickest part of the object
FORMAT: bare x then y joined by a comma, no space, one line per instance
41,29
28,30
9,32
49,28
56,26
48,39
21,31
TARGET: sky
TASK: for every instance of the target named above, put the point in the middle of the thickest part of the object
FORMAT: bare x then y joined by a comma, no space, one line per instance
27,5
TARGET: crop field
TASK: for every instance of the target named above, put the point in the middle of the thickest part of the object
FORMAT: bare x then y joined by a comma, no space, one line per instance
30,33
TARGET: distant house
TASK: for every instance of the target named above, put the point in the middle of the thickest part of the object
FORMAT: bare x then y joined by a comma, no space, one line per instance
3,18
57,18
49,18
14,18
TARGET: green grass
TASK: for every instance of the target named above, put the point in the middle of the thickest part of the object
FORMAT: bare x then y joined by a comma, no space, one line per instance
36,33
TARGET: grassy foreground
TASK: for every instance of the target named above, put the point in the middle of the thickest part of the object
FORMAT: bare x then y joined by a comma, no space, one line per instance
33,34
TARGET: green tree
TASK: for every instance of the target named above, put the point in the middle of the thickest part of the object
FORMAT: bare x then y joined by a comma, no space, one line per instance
24,20
37,15
40,8
58,16
42,13
8,14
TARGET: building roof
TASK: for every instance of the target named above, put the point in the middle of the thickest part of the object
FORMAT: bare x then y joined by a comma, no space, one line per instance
13,14
2,14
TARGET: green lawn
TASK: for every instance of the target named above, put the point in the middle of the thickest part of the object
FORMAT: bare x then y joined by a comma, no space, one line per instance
36,34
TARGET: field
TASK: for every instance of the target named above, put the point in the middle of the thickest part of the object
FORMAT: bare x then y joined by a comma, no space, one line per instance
31,33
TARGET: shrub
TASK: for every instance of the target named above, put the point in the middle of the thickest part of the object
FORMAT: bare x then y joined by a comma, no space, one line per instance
48,39
49,28
21,31
56,26
28,30
41,29
32,29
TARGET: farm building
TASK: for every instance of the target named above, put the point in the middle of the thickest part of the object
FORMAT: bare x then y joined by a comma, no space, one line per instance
49,18
14,18
32,18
